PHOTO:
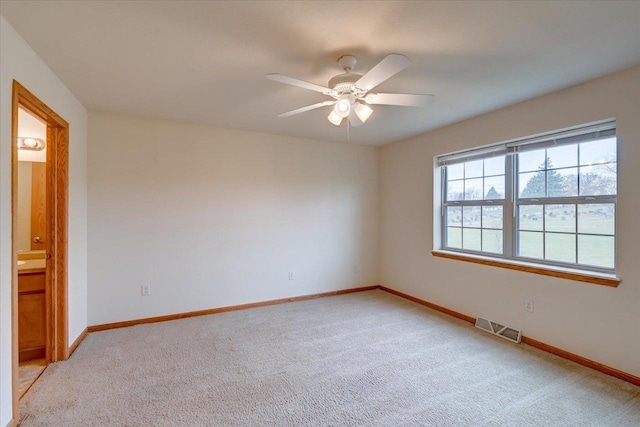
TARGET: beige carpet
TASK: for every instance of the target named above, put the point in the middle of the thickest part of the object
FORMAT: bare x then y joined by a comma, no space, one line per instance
364,359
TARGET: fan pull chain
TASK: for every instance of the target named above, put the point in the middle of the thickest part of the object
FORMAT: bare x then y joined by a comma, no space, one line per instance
348,130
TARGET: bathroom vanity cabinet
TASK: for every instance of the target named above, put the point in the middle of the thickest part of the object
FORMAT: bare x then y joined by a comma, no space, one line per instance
32,326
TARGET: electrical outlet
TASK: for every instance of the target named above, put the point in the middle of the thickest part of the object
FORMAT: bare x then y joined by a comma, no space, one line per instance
355,269
528,305
291,275
145,290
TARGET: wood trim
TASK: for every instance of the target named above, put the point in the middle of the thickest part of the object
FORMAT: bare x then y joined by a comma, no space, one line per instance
38,205
61,241
430,305
582,361
580,277
128,323
529,341
77,342
14,255
56,240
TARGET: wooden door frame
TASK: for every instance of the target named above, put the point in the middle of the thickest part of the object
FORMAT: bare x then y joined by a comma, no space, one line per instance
57,231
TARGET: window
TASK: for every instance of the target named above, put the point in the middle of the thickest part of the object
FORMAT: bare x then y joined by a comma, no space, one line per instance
549,200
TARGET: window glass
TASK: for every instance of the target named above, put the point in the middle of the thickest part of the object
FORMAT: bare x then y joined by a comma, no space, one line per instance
562,156
471,239
560,247
531,217
560,218
530,244
596,250
598,152
454,216
565,203
492,241
597,218
494,187
492,217
454,237
455,171
494,166
473,189
473,169
531,160
598,180
532,184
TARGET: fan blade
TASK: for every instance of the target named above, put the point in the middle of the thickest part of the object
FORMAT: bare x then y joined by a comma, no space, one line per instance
300,83
389,66
307,108
404,99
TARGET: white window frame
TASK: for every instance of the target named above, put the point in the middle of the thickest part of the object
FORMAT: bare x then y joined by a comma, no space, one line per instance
512,201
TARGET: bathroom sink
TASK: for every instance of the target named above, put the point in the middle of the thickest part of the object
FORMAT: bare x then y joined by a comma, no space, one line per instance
22,262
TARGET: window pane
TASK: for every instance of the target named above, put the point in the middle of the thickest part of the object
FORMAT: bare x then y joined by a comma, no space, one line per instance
600,151
562,182
560,218
598,180
596,250
560,247
494,166
455,190
597,218
570,178
531,184
530,217
473,169
455,171
454,237
494,187
556,184
531,161
492,217
454,216
492,241
563,156
471,239
473,189
530,244
471,216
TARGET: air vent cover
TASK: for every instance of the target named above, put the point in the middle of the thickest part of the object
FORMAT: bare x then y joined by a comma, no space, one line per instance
496,328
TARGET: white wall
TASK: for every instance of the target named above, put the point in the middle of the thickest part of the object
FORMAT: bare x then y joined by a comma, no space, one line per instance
212,217
597,322
18,61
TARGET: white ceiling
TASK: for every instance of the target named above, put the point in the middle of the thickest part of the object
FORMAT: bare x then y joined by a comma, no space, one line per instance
206,62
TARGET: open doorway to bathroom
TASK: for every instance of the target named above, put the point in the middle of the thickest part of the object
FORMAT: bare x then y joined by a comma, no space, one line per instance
39,205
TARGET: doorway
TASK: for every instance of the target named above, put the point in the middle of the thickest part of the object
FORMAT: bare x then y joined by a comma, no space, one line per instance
39,292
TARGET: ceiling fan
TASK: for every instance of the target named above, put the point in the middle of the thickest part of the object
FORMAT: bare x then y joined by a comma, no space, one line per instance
351,92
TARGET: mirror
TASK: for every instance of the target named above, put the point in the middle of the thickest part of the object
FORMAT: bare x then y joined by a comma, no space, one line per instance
31,209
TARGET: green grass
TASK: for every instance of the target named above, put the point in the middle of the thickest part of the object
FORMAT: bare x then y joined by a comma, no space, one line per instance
558,246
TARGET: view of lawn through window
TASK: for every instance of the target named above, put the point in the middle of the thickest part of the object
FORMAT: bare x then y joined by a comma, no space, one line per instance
562,209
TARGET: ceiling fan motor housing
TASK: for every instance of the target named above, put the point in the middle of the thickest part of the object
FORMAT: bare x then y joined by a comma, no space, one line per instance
344,83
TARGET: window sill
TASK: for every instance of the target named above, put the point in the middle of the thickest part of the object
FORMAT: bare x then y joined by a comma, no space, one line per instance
563,273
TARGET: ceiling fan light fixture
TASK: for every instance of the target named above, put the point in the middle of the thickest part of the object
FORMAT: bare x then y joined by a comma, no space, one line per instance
343,107
362,111
335,118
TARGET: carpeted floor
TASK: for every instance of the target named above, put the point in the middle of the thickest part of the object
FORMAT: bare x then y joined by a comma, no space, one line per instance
365,359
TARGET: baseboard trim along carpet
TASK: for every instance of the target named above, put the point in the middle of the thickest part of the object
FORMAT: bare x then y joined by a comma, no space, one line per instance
529,341
77,342
177,316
